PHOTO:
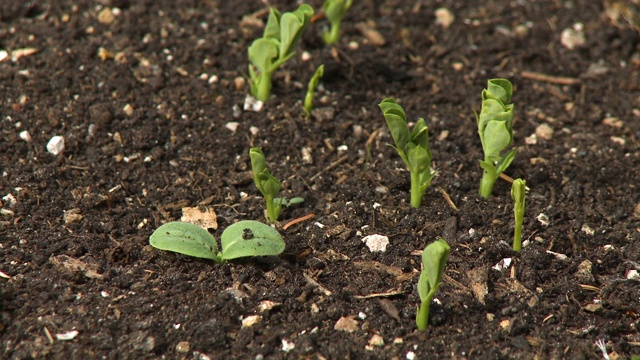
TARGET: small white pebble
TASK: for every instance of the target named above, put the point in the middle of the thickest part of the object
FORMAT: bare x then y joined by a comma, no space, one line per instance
233,126
24,135
306,56
56,145
253,104
287,345
376,242
633,274
411,355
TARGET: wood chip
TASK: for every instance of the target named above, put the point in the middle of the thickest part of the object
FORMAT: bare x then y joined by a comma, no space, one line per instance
67,263
368,31
204,217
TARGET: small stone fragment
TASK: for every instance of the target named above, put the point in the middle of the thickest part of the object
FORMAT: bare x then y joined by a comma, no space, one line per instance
72,216
587,229
253,104
239,83
251,320
306,155
183,347
633,275
348,324
444,17
544,132
636,211
268,305
233,126
503,264
287,345
376,242
376,340
584,275
572,38
24,135
106,16
128,109
56,145
543,219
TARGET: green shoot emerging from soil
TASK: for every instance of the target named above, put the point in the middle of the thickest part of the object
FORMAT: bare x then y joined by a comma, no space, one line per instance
311,88
334,10
413,147
496,133
266,183
518,189
434,259
244,238
275,47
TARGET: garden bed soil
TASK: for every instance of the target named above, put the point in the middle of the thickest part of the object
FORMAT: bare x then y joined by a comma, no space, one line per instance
146,94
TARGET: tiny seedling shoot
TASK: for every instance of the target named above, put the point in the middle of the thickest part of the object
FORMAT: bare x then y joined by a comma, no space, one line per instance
266,54
518,189
244,238
496,133
434,259
311,89
334,10
413,147
268,185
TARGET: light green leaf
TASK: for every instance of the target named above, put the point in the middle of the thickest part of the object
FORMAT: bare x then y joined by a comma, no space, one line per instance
419,158
506,160
272,28
250,238
496,138
262,54
292,26
499,89
397,122
185,238
434,259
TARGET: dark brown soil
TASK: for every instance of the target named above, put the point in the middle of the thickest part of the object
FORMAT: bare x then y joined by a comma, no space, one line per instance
146,135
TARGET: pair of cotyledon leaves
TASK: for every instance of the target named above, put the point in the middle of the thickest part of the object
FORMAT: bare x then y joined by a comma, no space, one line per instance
244,238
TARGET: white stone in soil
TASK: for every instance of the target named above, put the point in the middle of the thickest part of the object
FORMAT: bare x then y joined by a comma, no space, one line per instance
56,145
24,135
376,242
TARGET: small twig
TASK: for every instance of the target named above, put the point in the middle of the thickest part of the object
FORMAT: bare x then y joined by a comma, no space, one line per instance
510,180
447,198
314,283
562,80
331,166
48,333
295,221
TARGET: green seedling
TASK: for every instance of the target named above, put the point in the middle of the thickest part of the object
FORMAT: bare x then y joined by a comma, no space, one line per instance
496,133
242,239
334,10
434,259
518,192
311,89
266,54
268,185
413,147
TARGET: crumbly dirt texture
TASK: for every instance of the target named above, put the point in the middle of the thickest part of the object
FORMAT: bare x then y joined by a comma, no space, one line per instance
149,98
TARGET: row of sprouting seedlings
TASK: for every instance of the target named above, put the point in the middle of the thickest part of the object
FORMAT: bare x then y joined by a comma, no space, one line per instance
252,238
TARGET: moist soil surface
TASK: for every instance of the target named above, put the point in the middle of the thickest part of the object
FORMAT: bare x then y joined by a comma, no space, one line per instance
149,98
